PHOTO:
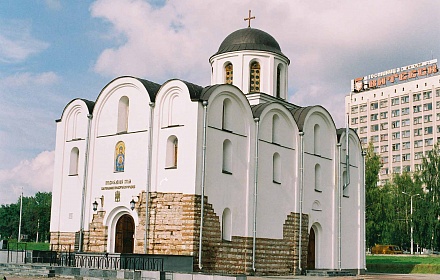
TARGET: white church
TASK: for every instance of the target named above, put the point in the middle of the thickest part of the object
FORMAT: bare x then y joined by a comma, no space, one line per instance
280,193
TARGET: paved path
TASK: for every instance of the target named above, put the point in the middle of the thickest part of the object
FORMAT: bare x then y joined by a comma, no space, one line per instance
372,276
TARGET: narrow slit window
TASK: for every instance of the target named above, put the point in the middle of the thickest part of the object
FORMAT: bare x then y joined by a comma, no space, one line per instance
227,157
278,92
227,225
74,161
172,152
123,115
318,182
276,166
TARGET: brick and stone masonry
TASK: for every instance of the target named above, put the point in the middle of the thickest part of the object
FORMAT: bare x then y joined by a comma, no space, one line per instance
174,221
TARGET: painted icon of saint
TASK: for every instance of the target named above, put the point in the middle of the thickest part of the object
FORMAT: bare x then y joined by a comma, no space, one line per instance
120,157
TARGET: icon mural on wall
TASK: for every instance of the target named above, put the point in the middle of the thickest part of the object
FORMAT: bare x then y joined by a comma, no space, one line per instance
119,157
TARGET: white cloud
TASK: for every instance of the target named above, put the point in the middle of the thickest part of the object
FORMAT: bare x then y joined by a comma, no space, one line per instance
27,79
27,125
33,175
17,42
328,43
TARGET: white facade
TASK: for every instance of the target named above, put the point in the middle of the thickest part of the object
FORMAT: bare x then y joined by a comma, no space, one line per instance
401,119
262,154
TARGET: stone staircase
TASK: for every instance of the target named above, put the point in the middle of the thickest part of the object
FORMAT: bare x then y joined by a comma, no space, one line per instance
329,273
27,270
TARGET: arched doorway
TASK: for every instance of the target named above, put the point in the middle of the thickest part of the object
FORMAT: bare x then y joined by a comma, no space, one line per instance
124,236
311,250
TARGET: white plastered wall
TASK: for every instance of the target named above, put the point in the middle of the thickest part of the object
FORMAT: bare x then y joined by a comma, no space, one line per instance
233,191
352,216
175,115
104,137
323,218
276,200
67,188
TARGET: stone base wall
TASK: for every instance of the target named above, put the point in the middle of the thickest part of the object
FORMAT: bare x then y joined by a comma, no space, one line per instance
62,241
173,229
95,239
272,256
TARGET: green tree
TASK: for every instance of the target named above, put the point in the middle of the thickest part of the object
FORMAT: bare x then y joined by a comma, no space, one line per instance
430,176
35,217
405,185
373,207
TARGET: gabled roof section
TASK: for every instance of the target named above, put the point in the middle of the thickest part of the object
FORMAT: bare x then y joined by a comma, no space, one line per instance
194,90
151,87
259,108
300,115
207,91
89,104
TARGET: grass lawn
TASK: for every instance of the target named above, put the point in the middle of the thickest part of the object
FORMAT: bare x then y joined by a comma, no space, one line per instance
403,264
29,246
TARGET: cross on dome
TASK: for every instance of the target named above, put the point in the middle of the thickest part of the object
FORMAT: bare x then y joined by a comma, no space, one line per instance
249,18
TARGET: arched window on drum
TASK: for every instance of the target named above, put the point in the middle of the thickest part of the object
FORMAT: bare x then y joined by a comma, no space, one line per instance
254,82
229,74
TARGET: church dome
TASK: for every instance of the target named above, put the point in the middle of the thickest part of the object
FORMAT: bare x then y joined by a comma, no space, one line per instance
249,39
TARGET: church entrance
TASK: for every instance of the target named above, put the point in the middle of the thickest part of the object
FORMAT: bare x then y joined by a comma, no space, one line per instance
124,239
311,250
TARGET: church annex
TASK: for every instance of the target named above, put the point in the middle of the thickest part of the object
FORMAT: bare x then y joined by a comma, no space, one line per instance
131,169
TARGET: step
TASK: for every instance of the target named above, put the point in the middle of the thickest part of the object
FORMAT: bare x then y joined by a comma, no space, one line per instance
329,273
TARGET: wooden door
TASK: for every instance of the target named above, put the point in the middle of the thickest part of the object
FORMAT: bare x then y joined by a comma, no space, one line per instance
124,237
311,250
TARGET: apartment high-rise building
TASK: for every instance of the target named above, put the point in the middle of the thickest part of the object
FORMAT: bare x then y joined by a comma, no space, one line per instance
398,110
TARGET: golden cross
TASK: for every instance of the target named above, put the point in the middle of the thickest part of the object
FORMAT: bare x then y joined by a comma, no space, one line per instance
249,19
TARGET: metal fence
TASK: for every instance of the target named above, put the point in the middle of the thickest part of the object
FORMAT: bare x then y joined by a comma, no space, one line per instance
17,253
106,261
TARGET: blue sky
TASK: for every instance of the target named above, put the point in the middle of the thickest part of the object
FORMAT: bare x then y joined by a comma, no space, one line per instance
53,51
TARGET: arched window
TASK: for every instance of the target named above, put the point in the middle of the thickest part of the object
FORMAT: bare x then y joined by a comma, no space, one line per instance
318,186
226,115
278,92
229,74
123,114
120,156
276,168
316,139
254,83
227,157
227,225
172,149
275,128
74,161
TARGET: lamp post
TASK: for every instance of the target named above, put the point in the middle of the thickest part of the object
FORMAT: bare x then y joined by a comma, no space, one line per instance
412,239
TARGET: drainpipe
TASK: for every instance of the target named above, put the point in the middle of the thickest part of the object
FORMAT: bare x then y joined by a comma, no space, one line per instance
346,183
147,195
83,198
301,169
205,116
362,187
339,193
254,233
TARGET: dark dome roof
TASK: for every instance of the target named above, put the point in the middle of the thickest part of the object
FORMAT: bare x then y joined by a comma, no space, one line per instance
249,39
